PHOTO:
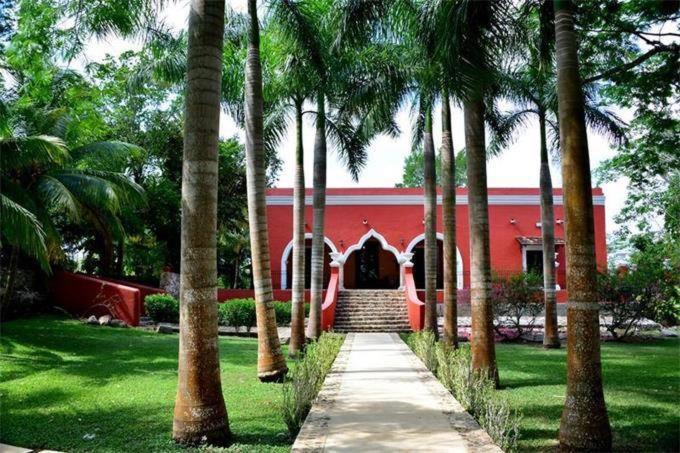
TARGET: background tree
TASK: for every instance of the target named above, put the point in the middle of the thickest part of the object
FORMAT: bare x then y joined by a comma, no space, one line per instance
412,175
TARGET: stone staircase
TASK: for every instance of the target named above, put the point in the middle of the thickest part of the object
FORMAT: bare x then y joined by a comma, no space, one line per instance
368,310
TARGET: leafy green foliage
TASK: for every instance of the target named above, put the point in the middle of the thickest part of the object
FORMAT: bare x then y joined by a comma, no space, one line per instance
306,377
475,392
162,308
413,175
649,288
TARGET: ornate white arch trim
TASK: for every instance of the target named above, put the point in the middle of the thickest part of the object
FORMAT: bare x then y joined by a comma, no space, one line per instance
440,237
372,234
286,253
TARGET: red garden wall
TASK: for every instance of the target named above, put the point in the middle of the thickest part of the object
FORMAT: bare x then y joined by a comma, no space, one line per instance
82,295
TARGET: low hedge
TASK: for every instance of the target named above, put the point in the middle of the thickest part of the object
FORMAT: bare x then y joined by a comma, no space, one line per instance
241,313
235,313
475,392
162,308
305,378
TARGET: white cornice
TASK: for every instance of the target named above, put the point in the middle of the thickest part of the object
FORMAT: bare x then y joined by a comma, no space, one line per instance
401,200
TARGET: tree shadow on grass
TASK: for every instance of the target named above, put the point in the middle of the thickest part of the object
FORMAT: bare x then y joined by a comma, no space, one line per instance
101,353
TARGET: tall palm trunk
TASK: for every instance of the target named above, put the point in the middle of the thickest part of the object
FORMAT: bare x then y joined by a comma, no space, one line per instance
585,424
430,207
271,365
550,335
482,344
297,325
200,414
449,224
319,210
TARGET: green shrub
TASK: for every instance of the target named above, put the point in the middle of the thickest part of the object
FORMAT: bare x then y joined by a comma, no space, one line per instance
162,308
237,313
283,313
475,392
306,377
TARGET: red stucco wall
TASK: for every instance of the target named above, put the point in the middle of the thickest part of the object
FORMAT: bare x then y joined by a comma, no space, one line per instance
82,295
401,224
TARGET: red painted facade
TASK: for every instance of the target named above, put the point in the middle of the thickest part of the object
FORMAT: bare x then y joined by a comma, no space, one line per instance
394,218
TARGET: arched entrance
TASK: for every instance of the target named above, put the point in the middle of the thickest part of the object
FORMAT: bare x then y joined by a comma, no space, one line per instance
417,248
286,276
418,261
371,267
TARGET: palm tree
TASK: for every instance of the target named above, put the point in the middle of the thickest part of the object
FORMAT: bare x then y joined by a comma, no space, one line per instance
531,88
345,114
43,182
200,414
585,424
479,34
271,364
297,324
449,224
430,208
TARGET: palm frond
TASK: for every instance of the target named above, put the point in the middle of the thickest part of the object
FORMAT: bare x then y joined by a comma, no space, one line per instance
19,153
21,229
108,155
605,123
90,190
348,142
57,197
504,127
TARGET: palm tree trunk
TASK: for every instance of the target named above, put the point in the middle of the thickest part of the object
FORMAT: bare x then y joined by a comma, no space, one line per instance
200,415
319,210
585,424
236,268
449,224
550,336
297,324
430,179
482,344
271,365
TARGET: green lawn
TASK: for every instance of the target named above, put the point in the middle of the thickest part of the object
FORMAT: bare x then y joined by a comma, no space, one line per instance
61,380
642,391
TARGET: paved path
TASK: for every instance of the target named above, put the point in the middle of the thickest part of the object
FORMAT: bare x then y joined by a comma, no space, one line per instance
380,397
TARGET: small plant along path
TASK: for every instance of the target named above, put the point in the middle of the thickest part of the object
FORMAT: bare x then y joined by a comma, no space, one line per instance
380,397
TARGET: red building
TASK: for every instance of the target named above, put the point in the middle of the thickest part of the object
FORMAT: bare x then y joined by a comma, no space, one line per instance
373,233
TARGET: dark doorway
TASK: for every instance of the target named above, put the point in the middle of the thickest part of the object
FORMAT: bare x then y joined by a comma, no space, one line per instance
308,266
371,267
419,265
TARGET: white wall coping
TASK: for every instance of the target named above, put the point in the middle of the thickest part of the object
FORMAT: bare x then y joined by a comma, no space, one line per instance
392,200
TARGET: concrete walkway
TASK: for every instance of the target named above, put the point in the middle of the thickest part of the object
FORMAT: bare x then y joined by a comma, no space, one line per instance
380,397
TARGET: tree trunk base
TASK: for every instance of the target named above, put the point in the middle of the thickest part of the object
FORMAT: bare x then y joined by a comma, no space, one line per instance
219,436
556,345
273,376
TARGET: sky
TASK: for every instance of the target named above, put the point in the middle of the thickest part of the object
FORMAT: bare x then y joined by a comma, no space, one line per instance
518,166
